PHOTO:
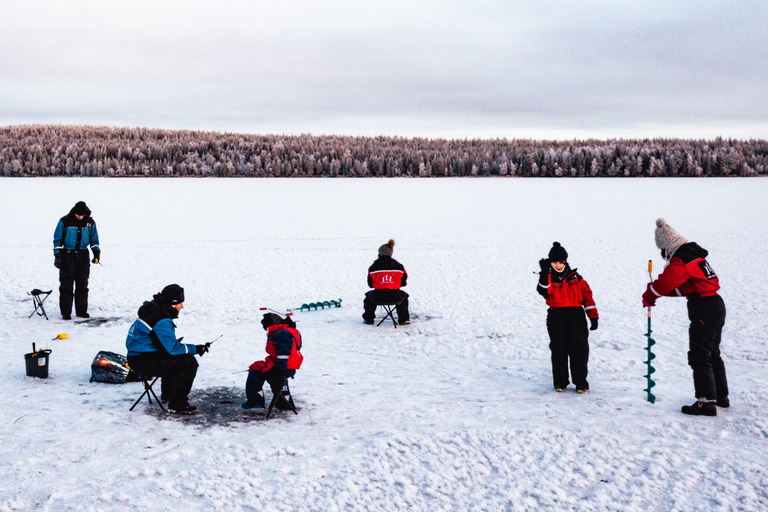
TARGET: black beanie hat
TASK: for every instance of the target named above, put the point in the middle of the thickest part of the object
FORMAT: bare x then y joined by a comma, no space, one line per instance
270,319
558,253
173,294
81,208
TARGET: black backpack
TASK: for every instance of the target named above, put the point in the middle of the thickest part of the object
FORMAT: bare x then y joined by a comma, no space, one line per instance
111,368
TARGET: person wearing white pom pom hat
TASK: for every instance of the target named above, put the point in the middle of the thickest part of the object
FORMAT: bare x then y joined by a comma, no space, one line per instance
688,274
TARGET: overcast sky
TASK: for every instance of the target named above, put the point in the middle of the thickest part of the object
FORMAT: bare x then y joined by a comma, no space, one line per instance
510,68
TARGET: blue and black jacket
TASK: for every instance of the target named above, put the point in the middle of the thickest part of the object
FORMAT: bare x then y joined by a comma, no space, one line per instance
154,331
76,235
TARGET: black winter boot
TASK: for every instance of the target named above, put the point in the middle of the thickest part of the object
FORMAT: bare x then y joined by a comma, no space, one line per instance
701,407
182,408
723,402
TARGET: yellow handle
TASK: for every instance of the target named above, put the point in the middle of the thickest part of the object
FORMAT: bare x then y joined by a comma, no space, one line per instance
650,266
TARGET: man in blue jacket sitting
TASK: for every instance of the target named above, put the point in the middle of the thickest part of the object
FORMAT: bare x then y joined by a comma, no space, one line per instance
154,350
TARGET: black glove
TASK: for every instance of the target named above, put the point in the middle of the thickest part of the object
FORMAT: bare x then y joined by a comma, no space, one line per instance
57,260
544,274
201,349
593,324
96,256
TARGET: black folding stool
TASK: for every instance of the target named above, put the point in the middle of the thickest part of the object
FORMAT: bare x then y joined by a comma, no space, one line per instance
145,379
38,297
277,395
390,308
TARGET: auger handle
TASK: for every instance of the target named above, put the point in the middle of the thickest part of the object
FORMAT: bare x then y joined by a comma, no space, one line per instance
650,279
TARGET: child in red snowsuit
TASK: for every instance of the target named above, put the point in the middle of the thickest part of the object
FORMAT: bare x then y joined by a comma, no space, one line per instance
282,361
569,297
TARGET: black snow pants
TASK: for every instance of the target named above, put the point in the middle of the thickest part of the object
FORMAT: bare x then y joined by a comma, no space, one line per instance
177,373
707,316
254,385
73,282
568,338
375,297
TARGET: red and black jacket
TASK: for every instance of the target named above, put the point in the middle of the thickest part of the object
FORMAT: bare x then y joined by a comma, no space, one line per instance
283,349
687,274
386,273
571,291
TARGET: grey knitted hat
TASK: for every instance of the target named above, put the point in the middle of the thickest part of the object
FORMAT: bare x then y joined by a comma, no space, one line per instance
667,239
386,249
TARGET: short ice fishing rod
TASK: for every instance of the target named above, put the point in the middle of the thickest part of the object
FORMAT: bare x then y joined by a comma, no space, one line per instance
208,344
217,339
276,312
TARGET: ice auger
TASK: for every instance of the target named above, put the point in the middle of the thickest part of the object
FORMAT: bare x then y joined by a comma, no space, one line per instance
651,342
319,304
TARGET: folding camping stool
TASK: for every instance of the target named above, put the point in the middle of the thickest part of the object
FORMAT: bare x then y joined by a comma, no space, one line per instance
390,308
145,379
38,297
277,395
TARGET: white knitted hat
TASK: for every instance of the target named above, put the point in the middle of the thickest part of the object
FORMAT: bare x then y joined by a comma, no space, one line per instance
667,238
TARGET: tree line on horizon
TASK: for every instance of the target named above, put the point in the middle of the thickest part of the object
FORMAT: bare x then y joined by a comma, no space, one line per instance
57,150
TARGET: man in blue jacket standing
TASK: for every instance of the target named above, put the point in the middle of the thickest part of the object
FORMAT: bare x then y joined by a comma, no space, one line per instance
74,233
154,350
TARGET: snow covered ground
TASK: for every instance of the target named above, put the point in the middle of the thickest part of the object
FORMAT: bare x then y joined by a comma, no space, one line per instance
454,412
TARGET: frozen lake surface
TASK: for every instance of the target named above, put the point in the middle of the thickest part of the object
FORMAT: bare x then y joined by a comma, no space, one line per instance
453,412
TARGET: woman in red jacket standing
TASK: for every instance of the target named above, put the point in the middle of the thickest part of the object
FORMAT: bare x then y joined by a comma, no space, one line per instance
689,275
569,297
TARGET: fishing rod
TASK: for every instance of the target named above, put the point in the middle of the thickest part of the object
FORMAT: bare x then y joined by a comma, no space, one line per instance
289,313
208,344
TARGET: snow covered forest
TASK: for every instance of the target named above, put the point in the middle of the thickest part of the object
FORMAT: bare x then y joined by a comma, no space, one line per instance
48,150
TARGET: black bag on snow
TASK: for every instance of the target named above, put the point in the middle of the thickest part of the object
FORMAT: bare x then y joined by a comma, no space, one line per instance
111,368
